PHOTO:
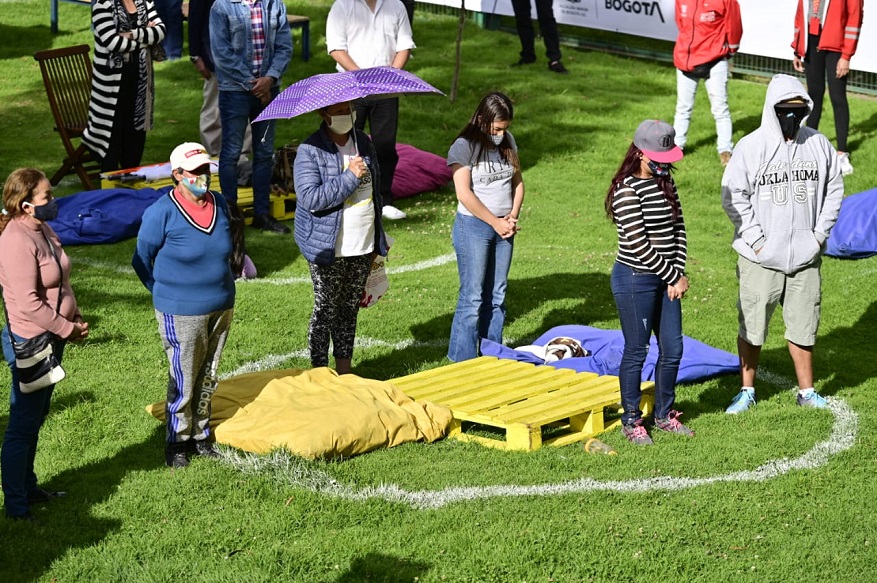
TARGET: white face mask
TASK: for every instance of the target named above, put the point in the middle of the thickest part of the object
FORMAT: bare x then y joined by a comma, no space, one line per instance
342,124
497,139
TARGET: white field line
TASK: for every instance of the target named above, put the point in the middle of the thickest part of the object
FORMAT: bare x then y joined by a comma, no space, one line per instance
127,269
294,471
420,266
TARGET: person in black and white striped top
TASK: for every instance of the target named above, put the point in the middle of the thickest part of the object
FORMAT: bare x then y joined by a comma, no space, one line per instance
649,274
122,87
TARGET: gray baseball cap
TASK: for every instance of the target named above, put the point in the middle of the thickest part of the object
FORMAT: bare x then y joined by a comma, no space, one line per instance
656,139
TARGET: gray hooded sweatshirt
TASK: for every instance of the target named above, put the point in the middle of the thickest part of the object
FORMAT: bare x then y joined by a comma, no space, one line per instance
783,197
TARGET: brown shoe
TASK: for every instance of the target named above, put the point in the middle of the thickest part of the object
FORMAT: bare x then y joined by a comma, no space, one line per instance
724,157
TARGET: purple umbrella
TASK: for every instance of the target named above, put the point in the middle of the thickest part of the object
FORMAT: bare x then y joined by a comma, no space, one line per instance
319,91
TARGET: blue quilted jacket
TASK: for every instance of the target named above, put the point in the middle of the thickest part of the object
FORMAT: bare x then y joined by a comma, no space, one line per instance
321,187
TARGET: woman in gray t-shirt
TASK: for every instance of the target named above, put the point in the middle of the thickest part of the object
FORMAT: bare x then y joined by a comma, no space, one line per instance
490,191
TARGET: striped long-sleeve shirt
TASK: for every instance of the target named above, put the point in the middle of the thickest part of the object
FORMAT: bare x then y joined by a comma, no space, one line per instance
107,77
648,237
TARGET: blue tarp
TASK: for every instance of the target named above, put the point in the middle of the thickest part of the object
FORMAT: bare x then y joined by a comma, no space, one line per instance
699,361
102,216
854,236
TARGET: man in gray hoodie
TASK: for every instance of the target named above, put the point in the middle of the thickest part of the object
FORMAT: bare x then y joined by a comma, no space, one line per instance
782,190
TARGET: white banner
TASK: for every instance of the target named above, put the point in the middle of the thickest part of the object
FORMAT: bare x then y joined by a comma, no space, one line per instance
767,25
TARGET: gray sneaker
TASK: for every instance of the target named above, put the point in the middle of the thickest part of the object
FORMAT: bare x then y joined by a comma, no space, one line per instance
671,425
636,433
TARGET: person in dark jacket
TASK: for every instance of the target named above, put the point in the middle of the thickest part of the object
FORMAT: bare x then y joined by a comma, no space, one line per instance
337,228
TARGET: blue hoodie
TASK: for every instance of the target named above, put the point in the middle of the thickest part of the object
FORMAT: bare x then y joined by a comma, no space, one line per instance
783,197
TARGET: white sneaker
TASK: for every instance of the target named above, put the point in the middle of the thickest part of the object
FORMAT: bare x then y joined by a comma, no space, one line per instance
392,213
845,167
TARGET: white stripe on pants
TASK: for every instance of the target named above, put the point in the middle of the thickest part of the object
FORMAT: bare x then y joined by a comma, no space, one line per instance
193,345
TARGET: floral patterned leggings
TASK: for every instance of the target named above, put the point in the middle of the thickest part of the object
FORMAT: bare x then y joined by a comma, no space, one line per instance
338,289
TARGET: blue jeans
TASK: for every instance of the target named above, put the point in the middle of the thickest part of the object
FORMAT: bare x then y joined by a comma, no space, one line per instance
643,308
236,111
26,415
171,14
483,261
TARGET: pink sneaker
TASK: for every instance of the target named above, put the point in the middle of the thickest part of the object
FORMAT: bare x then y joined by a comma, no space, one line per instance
671,425
636,433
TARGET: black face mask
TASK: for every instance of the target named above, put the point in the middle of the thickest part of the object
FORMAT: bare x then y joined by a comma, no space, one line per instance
659,168
46,212
790,119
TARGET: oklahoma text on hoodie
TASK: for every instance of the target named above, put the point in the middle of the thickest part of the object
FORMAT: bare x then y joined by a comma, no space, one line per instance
783,197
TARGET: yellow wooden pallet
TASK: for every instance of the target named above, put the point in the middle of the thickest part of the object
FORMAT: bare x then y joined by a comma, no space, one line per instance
521,399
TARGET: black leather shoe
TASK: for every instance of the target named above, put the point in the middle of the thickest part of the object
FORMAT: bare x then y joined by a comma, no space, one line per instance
41,496
206,449
269,223
175,456
557,67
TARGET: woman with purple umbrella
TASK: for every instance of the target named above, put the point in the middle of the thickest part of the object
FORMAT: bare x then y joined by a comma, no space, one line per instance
337,228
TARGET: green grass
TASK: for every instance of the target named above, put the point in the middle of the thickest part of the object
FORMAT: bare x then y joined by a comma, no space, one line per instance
128,518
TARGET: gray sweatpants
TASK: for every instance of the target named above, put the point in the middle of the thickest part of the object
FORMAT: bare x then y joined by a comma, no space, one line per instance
193,345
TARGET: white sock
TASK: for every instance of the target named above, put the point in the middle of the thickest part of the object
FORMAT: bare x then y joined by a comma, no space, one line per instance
805,392
748,390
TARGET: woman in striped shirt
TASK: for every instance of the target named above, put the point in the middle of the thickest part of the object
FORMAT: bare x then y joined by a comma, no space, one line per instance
122,87
649,274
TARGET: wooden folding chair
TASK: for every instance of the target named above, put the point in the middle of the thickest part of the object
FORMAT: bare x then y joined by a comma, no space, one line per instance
67,78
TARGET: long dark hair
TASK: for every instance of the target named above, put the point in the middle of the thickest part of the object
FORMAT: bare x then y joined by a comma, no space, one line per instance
494,106
238,244
629,166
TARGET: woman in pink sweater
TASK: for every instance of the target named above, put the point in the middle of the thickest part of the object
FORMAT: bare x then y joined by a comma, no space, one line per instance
34,274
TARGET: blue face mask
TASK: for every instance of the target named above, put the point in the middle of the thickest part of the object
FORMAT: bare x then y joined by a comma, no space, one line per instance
659,168
198,186
45,212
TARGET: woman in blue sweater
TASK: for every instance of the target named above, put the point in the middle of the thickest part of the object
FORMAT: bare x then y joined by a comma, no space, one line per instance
183,257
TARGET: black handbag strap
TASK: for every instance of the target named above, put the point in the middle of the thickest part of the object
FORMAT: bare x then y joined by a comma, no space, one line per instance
60,287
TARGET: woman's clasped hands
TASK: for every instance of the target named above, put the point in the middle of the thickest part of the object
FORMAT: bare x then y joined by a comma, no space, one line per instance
678,289
506,226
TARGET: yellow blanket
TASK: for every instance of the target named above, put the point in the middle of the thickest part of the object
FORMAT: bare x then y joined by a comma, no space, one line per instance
317,414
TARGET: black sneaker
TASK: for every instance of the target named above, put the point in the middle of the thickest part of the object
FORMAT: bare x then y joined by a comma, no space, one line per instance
522,62
205,448
175,456
557,67
42,496
269,223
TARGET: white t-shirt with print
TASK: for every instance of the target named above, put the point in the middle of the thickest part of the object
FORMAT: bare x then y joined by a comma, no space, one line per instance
357,233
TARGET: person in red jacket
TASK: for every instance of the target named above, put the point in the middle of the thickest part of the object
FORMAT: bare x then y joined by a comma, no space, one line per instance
709,35
826,35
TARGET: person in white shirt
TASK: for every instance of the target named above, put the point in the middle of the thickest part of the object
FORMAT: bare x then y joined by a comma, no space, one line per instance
373,33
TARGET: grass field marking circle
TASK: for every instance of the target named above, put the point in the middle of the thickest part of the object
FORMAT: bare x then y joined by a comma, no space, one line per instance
841,438
295,471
